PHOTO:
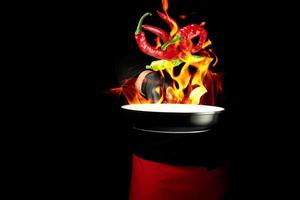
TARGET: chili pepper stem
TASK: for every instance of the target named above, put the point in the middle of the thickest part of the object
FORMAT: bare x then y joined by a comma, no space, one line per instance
174,40
139,26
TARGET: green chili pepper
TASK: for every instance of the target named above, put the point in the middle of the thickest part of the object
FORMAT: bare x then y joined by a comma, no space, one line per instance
158,65
163,64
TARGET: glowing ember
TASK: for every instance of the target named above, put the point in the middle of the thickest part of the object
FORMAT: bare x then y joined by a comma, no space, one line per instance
182,16
184,67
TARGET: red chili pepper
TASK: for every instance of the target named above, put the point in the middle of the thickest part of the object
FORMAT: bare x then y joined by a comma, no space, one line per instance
140,37
158,31
188,33
185,34
167,19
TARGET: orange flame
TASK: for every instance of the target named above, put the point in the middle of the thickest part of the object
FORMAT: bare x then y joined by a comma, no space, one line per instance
174,28
195,83
165,5
158,43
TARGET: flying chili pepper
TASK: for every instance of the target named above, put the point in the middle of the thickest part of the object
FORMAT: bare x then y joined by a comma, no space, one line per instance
140,37
158,31
171,22
186,34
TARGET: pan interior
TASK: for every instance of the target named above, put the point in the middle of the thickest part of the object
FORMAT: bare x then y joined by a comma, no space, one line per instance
173,108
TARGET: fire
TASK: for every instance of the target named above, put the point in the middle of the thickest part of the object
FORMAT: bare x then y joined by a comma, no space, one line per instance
165,5
174,29
158,44
187,79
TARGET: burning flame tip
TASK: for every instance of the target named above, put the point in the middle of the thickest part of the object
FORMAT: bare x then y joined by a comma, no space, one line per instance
165,5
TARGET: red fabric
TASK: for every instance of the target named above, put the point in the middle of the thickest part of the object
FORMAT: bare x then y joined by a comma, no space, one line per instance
156,181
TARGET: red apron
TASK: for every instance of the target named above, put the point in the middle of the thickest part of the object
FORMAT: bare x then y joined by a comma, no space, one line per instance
157,181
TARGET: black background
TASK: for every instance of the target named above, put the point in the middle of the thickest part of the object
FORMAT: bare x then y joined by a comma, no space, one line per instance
89,43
